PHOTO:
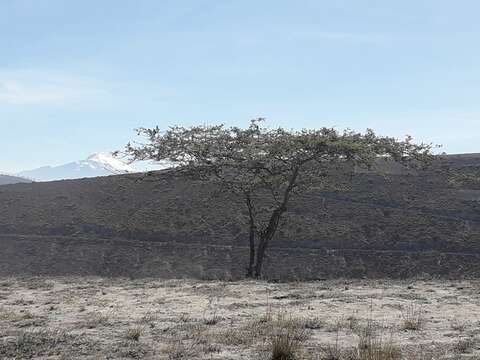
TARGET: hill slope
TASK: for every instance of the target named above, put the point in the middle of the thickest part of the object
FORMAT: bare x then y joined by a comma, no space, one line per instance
8,179
162,225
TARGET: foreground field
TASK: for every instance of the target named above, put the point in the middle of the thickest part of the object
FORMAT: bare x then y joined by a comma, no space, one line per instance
96,318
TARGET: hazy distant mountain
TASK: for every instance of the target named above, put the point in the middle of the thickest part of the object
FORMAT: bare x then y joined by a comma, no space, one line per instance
99,164
8,179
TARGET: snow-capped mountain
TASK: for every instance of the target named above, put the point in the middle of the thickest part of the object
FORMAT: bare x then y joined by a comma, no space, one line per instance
99,164
108,162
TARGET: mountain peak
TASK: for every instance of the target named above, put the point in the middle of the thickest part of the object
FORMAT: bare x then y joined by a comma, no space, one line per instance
109,162
98,164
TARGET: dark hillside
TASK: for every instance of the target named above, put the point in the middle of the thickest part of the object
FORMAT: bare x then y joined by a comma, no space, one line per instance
162,225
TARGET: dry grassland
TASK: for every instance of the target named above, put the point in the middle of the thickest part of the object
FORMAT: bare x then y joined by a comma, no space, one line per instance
97,318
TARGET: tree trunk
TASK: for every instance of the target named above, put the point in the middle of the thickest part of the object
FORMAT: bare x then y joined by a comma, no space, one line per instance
265,238
251,238
252,254
272,226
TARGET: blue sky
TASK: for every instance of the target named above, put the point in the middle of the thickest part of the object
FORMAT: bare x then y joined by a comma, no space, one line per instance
77,77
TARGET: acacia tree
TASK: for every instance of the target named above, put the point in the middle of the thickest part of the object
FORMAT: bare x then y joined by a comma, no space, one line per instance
266,167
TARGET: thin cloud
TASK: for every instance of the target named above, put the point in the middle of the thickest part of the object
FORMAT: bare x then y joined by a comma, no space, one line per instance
27,87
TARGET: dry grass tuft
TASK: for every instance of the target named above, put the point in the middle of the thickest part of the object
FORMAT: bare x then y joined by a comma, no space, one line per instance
412,318
177,350
332,352
34,344
457,325
375,348
372,344
211,317
149,318
286,338
214,320
314,323
96,319
462,346
134,333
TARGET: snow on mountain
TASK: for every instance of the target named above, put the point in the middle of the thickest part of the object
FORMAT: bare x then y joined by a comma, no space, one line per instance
99,164
108,162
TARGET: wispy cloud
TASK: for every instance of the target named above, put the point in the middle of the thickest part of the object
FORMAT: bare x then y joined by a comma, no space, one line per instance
45,88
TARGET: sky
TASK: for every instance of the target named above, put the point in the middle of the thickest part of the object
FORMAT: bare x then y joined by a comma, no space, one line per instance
77,77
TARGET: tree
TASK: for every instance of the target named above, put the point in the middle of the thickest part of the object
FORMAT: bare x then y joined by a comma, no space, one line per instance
266,167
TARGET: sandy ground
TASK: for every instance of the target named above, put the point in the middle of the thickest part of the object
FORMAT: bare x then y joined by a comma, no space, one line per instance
96,318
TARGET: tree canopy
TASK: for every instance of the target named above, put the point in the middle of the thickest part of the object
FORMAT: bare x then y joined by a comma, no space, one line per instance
267,166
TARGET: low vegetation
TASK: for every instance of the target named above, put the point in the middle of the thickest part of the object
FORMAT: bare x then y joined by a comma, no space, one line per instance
286,337
412,318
